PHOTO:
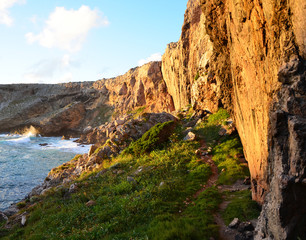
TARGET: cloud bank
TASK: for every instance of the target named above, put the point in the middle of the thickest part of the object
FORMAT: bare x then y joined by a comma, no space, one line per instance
68,29
5,5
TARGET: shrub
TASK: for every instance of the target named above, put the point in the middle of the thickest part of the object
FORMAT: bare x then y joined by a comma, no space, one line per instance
152,139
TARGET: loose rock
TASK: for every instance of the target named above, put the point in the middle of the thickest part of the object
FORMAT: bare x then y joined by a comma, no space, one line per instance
90,203
234,224
190,137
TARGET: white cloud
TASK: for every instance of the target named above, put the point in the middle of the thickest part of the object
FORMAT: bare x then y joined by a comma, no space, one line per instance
67,29
54,70
153,57
5,17
66,60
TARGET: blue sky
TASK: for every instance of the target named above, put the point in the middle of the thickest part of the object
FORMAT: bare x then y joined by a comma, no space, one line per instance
71,40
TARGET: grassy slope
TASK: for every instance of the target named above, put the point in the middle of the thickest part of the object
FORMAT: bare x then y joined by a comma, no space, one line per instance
157,202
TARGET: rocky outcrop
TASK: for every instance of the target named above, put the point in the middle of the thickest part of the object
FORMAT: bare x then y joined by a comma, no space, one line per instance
109,140
66,109
284,210
139,87
52,109
181,60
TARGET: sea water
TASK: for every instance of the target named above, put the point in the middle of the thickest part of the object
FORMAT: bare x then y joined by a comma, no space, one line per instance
24,163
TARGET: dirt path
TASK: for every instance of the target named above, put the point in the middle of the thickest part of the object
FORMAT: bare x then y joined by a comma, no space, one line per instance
225,233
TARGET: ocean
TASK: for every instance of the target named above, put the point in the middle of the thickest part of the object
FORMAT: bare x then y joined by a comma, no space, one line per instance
24,163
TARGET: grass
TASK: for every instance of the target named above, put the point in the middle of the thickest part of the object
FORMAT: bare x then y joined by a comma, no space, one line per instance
137,112
158,204
225,155
126,210
209,128
241,206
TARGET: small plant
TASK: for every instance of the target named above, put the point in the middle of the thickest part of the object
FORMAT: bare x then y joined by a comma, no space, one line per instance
197,76
21,204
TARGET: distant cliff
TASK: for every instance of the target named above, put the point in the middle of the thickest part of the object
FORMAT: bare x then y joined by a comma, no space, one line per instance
66,109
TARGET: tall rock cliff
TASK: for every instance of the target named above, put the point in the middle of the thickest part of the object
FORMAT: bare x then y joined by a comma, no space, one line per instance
251,60
181,59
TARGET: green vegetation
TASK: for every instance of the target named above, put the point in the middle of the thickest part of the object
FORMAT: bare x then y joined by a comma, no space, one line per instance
126,210
241,206
153,190
152,139
137,112
197,76
225,156
209,129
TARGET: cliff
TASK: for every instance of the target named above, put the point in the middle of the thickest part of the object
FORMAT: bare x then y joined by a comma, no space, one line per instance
139,87
245,56
252,62
66,109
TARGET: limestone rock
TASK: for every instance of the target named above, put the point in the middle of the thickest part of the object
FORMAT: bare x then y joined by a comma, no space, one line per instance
190,137
235,223
140,87
181,60
3,217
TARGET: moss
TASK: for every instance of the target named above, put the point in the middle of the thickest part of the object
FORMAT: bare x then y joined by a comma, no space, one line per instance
225,155
241,206
210,127
197,76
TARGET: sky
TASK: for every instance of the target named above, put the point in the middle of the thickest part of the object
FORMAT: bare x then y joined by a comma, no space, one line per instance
55,41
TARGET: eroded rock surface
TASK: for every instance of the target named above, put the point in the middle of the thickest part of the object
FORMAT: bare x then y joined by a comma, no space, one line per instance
253,64
181,60
139,87
60,109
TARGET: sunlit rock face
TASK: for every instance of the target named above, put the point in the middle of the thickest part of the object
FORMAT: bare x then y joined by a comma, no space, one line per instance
266,88
139,87
181,60
251,60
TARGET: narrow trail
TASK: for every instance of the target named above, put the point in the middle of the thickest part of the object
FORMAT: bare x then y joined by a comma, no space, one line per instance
225,233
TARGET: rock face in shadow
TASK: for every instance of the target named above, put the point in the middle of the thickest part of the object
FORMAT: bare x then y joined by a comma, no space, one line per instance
53,109
284,211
